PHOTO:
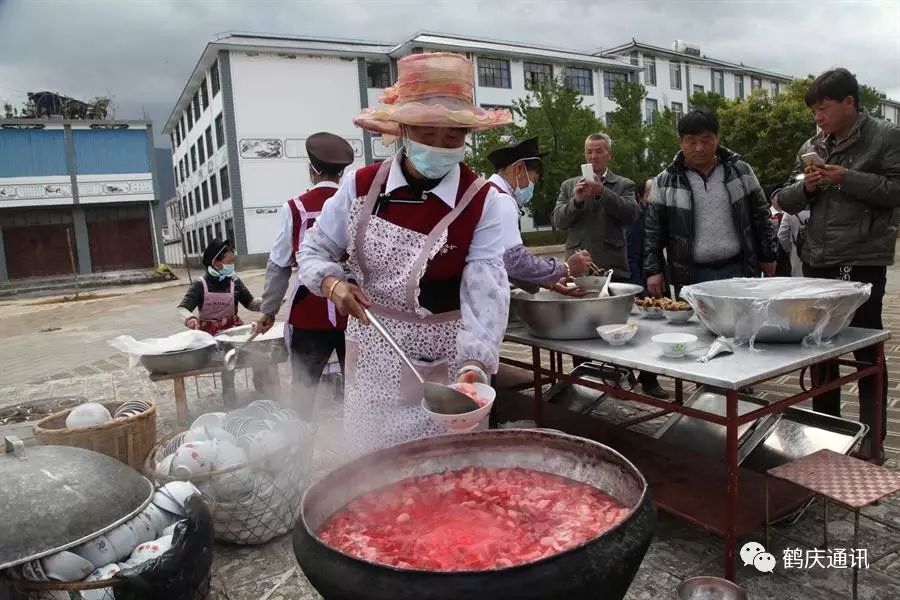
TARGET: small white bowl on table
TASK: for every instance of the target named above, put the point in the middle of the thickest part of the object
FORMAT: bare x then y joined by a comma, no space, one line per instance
675,345
617,335
465,421
678,316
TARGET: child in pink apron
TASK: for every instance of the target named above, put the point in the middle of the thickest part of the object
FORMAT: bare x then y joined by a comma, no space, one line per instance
215,296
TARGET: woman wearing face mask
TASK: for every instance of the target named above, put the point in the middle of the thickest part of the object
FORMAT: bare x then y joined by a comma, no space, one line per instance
215,296
422,235
519,169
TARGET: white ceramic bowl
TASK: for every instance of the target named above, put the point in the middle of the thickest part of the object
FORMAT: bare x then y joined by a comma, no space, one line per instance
123,539
617,338
104,572
212,419
678,316
98,550
67,566
85,415
150,550
179,491
228,456
652,312
465,421
194,458
675,345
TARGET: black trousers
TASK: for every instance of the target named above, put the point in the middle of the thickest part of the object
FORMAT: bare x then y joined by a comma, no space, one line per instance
869,316
310,351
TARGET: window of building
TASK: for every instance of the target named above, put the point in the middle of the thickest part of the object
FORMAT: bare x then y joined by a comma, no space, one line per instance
189,242
181,168
493,72
537,74
226,186
193,158
649,70
184,207
214,78
209,233
229,231
378,75
190,118
717,82
218,226
220,132
698,89
174,143
739,87
608,117
675,75
201,153
196,104
678,109
175,171
204,95
214,189
610,80
209,144
580,80
755,83
776,87
633,57
205,187
190,204
203,241
651,107
198,200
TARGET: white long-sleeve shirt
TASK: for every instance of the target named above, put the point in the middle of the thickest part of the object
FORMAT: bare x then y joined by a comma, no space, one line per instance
484,293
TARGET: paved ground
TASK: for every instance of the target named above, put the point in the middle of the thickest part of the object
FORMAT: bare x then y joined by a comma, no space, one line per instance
75,359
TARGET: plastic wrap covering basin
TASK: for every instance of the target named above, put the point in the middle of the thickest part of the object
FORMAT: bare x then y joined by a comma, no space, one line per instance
554,316
779,309
602,567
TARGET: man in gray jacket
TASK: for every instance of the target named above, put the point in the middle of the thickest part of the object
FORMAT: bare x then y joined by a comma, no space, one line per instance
596,214
852,196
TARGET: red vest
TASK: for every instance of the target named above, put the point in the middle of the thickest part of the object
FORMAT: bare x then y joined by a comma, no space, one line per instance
443,275
309,311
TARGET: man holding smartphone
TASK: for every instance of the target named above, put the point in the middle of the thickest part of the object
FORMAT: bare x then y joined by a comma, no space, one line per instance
850,184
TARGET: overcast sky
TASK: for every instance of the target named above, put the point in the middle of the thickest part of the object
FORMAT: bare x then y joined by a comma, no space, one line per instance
141,52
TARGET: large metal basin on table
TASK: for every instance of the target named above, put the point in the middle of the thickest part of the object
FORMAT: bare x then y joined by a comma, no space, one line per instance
777,309
601,568
548,314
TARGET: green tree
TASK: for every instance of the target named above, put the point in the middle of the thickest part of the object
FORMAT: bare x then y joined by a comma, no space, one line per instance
627,131
870,99
558,116
708,100
662,142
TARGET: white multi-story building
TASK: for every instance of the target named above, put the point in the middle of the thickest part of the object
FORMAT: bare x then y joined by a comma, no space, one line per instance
239,127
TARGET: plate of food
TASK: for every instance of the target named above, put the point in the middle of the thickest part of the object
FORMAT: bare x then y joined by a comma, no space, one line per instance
676,311
650,308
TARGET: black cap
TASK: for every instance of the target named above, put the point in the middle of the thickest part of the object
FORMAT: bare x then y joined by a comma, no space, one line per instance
328,152
507,155
214,250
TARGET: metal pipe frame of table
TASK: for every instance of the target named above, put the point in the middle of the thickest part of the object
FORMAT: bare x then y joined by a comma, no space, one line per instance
731,421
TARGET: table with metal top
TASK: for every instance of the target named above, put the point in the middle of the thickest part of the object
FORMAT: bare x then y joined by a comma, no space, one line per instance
686,484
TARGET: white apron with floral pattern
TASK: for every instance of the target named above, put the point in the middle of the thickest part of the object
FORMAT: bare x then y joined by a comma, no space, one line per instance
383,399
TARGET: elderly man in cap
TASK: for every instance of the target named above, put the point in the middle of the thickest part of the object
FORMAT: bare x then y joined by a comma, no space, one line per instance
519,169
315,329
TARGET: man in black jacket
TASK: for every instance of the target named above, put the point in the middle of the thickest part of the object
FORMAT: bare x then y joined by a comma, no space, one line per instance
709,213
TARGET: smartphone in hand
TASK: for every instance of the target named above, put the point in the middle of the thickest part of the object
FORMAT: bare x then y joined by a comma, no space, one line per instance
811,159
587,171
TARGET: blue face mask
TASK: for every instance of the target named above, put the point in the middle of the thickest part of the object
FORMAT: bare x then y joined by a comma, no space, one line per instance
225,272
523,195
432,162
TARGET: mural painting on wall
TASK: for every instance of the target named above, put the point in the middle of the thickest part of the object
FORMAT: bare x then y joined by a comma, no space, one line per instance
265,148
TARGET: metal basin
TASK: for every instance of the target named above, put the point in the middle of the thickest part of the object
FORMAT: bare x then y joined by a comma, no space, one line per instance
777,309
603,567
178,362
554,316
709,588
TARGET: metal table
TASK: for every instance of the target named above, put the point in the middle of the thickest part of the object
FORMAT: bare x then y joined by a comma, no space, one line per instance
674,489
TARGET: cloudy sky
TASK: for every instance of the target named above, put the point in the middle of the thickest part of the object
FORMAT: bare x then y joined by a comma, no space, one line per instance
140,52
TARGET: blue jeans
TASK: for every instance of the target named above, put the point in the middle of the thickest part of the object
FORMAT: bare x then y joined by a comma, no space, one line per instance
723,271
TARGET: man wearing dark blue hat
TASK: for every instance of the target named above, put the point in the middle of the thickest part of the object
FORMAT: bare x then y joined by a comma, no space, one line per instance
519,168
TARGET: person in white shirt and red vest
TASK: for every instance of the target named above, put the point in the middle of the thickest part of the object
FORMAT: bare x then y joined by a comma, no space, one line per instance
422,234
315,328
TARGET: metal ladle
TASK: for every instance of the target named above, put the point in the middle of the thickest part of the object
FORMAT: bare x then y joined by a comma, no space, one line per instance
439,398
231,357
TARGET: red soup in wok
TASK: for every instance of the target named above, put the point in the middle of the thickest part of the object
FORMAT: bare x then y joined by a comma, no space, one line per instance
472,519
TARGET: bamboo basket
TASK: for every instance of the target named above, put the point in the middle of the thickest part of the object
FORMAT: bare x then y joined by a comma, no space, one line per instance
82,590
127,440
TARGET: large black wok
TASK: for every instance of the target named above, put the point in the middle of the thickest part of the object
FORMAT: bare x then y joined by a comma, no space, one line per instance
600,569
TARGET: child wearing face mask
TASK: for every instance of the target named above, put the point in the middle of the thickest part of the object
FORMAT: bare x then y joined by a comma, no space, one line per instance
215,296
